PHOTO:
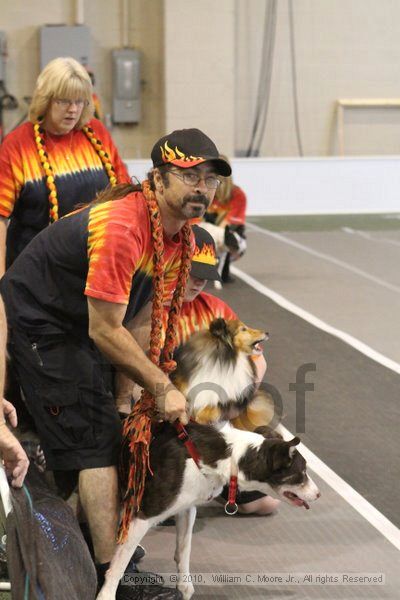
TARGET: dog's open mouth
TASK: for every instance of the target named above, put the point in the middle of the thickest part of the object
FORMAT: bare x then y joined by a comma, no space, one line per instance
257,348
295,500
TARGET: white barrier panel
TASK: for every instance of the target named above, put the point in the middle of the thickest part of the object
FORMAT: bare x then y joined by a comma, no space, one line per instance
281,186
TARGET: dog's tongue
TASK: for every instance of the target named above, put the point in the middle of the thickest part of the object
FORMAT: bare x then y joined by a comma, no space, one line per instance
296,500
258,347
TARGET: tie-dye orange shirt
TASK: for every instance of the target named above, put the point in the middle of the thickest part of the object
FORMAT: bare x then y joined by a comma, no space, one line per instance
120,252
79,176
198,314
103,251
232,212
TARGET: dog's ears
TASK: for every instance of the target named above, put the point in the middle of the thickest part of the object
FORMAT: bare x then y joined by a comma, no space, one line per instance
294,442
268,432
282,454
219,329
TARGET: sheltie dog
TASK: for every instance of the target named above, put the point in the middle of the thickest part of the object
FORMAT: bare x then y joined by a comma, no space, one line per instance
260,460
215,370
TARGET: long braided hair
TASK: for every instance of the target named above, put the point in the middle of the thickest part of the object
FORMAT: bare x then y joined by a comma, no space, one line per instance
49,171
137,426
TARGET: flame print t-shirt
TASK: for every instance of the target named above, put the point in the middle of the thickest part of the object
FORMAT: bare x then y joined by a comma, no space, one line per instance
232,212
103,251
79,176
198,314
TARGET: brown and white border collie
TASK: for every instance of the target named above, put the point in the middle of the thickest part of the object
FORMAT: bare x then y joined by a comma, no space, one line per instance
215,370
261,462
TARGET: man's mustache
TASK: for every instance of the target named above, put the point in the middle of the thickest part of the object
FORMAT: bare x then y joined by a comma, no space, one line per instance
198,198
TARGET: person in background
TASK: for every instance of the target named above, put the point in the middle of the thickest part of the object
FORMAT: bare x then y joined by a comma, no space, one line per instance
225,220
59,158
15,459
98,109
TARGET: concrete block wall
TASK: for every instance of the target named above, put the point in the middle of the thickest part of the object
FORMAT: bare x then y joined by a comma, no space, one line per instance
201,61
200,68
21,21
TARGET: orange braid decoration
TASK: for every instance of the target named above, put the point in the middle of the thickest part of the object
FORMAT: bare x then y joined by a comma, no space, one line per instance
137,426
49,172
48,169
104,157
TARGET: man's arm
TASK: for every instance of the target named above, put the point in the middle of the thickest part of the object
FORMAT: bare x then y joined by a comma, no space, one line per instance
15,459
123,351
126,390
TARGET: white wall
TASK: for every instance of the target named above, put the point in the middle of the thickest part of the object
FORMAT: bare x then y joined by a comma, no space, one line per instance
21,20
314,185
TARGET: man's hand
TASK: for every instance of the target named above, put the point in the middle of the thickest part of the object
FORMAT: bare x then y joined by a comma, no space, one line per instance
123,405
14,456
10,414
172,405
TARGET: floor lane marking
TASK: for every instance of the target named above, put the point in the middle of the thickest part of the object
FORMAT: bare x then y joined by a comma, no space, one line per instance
369,237
339,485
327,257
352,497
313,320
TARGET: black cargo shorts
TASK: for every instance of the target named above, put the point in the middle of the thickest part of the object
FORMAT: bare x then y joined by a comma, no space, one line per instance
66,383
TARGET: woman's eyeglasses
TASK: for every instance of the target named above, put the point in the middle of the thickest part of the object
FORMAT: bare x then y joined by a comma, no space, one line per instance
66,103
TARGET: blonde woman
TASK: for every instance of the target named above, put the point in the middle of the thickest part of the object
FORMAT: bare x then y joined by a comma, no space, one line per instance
60,157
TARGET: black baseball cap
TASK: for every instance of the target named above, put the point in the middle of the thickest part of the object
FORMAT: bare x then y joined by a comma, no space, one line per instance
204,260
187,148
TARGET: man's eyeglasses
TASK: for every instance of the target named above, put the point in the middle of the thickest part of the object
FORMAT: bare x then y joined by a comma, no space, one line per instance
65,103
192,178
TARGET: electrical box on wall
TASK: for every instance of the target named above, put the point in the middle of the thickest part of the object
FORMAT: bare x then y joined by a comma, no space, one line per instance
64,40
126,85
3,54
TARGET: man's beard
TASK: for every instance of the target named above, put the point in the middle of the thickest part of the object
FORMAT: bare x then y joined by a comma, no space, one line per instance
194,211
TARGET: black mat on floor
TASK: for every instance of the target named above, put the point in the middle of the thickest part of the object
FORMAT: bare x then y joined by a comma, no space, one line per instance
352,417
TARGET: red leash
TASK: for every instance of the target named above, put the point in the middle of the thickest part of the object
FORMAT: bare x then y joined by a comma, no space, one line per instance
231,507
187,442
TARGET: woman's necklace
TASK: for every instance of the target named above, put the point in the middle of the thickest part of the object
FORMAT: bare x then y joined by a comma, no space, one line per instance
39,133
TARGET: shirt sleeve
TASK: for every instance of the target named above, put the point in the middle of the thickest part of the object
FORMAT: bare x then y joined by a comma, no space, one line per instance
115,252
218,308
237,207
226,311
11,177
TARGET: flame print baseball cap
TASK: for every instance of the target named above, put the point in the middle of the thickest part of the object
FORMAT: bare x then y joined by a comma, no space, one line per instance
187,148
204,259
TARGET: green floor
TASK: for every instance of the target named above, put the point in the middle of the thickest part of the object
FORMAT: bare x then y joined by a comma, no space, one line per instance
375,222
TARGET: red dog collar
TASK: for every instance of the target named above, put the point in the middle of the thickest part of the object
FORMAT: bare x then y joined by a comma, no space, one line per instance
187,442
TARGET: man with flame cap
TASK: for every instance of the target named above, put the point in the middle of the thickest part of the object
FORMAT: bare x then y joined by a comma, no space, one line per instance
69,298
